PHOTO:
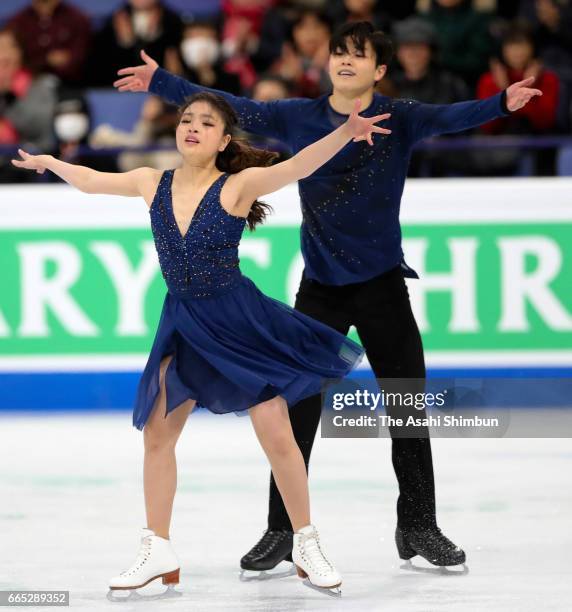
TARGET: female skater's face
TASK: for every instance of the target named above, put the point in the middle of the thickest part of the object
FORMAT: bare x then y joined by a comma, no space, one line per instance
200,132
354,72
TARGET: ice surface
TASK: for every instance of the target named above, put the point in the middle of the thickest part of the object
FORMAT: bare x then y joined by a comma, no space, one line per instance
71,508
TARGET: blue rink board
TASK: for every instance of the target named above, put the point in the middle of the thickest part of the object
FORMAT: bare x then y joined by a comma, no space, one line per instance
115,391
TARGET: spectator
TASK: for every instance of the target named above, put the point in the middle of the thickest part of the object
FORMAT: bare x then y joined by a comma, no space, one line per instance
55,37
139,24
202,58
359,10
304,59
463,37
26,104
420,76
240,36
274,31
72,126
242,24
518,62
271,87
552,23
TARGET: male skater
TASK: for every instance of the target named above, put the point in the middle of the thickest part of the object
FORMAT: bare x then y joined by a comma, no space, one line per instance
351,245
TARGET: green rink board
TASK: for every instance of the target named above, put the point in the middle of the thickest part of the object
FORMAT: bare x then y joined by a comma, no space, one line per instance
86,316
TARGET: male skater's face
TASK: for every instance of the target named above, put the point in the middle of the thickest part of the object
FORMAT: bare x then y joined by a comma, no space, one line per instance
200,132
354,71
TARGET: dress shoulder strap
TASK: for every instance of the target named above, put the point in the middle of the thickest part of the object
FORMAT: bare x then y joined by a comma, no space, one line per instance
163,186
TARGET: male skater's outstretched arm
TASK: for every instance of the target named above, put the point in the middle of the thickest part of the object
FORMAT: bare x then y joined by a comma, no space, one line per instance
277,119
263,118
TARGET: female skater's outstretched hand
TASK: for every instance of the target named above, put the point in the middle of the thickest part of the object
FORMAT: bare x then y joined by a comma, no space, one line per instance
137,78
362,128
139,182
30,162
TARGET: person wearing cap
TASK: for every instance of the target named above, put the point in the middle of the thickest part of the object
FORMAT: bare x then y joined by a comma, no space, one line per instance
420,76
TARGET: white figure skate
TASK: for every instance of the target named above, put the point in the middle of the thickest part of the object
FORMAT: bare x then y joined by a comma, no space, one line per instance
156,559
312,564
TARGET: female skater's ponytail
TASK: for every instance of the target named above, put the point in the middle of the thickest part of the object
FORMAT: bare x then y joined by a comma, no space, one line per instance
238,154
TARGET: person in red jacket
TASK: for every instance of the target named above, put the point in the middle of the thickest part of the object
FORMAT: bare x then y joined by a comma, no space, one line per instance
519,61
56,38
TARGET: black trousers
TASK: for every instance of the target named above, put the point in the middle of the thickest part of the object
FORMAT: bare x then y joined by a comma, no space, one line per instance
381,312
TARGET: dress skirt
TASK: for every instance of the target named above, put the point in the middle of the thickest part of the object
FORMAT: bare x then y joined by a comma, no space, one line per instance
235,350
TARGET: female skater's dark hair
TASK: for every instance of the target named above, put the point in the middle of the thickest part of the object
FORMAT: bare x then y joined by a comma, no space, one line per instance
238,154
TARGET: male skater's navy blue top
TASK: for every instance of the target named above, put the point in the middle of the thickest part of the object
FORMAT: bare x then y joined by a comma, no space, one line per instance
350,230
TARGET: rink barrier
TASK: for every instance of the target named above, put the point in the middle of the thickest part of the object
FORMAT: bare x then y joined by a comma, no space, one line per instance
494,257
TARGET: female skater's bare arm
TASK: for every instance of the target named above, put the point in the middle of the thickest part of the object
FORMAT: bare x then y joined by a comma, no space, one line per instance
255,182
141,182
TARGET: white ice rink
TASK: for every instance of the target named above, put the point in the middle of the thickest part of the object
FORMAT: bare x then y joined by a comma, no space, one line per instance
71,508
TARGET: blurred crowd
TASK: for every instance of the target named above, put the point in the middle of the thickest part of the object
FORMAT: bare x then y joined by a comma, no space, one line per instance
445,51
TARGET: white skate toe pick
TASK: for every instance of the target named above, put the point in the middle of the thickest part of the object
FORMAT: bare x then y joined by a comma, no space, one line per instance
311,563
156,559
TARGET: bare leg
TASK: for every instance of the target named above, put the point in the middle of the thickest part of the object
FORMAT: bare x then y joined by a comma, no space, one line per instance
271,423
160,436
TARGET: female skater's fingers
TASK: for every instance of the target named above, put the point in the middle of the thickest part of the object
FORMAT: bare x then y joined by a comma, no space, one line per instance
381,117
22,164
369,140
380,130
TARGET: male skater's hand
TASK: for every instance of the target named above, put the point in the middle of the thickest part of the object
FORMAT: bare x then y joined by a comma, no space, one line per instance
362,128
519,94
137,78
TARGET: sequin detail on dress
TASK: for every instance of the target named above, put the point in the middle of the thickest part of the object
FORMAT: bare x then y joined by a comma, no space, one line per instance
204,262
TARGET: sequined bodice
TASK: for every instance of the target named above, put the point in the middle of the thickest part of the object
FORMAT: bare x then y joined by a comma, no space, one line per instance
204,262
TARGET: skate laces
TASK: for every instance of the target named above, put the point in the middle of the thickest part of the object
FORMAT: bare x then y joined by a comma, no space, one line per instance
268,541
312,553
143,555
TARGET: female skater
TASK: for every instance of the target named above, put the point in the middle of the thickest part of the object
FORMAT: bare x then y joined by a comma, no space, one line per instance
221,343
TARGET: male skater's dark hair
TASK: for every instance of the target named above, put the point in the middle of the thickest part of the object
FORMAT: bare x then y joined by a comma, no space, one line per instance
360,32
238,154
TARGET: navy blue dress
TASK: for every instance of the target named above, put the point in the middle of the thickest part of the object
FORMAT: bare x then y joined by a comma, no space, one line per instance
232,346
